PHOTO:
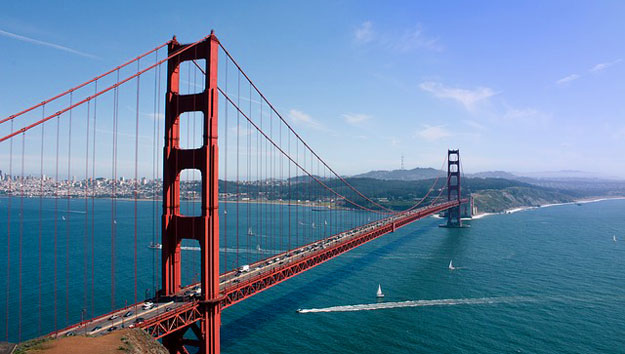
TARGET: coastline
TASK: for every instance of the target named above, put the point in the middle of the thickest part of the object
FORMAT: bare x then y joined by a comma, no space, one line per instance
323,205
525,208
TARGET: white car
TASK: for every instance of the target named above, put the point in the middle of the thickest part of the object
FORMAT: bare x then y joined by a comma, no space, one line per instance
148,305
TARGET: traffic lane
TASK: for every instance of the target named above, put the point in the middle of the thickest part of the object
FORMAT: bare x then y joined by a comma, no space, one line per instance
140,312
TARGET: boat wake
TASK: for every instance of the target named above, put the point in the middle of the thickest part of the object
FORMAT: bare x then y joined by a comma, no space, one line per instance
420,303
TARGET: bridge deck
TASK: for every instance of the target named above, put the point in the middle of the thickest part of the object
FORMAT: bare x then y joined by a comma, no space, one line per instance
173,313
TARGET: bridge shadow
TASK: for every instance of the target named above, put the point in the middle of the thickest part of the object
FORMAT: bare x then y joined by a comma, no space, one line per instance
250,322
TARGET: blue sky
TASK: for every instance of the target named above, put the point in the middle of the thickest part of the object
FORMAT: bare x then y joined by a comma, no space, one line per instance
521,86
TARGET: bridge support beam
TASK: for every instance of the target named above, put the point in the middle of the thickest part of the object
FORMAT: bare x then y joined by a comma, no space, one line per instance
453,188
203,228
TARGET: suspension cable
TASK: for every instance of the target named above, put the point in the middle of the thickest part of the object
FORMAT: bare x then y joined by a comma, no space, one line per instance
11,117
290,158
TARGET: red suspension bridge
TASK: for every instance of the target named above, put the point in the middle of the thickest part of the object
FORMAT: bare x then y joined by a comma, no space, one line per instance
240,188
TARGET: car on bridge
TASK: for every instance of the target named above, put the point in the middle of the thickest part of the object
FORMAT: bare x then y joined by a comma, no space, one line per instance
95,329
137,322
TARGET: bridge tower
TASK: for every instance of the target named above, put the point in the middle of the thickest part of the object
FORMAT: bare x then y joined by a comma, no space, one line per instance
203,228
453,187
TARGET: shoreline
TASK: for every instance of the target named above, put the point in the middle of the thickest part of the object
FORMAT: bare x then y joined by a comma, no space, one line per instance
324,205
525,208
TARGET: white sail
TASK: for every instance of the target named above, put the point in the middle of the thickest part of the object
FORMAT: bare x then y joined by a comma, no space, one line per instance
379,293
614,238
451,265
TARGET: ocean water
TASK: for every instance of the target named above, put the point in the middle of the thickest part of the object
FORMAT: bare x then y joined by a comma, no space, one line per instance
548,280
94,245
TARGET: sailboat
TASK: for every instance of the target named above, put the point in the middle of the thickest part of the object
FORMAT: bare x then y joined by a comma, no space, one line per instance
313,225
451,265
156,246
379,294
250,232
614,238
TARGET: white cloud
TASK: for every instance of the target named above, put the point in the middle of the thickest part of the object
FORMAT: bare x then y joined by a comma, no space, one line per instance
411,39
355,118
603,66
364,32
568,79
474,124
415,39
468,98
46,44
597,68
432,133
527,117
301,118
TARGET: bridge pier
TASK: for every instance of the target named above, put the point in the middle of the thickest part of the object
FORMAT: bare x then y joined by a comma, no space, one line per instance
203,228
454,215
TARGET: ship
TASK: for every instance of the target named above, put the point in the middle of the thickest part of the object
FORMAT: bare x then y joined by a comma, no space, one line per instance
156,246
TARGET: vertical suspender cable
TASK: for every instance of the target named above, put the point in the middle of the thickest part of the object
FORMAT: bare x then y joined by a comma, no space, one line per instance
288,181
261,226
281,205
93,193
136,185
158,158
85,242
9,235
257,190
67,224
41,180
248,133
268,216
19,331
272,184
114,192
297,187
154,153
56,217
226,177
238,182
302,196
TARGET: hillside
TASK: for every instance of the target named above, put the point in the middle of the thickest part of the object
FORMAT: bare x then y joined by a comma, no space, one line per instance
495,201
491,194
493,191
415,174
130,341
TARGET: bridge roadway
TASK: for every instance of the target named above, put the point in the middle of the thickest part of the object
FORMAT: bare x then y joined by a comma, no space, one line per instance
172,313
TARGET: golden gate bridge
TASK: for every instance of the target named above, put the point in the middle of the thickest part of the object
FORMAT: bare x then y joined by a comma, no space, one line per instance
235,175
